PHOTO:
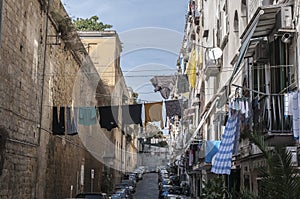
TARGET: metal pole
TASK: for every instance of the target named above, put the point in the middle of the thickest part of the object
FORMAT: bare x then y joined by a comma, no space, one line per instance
71,191
92,179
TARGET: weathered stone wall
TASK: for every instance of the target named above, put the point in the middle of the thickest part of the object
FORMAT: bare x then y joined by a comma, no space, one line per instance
20,54
35,163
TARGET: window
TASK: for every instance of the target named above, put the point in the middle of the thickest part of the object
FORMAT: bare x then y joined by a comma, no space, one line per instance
281,73
205,33
236,22
224,22
244,8
258,79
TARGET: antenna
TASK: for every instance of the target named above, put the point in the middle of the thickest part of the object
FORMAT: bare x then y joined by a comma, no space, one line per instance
214,53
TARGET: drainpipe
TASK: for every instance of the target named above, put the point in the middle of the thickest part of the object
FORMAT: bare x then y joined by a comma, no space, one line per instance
44,69
269,97
42,94
297,53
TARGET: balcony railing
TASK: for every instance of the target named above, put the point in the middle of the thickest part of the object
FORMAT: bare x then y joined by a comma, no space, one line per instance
268,115
212,67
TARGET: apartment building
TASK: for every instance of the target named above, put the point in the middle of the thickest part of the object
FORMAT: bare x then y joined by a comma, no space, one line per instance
247,53
104,48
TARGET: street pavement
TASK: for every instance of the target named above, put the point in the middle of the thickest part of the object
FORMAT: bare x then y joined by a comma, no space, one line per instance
148,187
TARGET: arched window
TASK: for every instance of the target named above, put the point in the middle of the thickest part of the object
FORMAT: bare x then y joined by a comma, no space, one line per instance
236,22
243,8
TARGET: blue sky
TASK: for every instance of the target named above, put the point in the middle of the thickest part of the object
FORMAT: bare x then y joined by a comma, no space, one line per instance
151,32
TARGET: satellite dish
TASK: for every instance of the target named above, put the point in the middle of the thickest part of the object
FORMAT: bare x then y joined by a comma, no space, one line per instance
214,53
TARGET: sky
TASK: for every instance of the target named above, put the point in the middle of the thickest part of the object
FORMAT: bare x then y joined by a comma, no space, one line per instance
151,33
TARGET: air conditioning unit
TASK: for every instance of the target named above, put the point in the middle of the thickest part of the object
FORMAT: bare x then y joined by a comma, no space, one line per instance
284,18
293,151
261,53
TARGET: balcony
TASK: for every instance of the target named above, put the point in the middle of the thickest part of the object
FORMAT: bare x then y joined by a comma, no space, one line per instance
212,66
269,119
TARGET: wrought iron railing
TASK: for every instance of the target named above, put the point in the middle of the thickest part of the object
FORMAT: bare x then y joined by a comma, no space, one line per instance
268,115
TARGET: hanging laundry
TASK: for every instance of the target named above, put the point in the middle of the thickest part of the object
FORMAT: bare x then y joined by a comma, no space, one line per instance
182,84
247,110
222,163
296,116
236,105
191,157
288,104
211,149
87,116
229,112
222,99
109,117
72,120
181,62
242,107
278,102
237,135
58,121
132,114
192,8
173,107
153,113
191,69
164,84
290,109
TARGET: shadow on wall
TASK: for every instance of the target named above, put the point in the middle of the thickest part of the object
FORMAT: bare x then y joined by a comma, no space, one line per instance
3,138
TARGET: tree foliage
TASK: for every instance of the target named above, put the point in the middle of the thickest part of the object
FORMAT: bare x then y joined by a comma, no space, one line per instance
280,179
90,24
214,189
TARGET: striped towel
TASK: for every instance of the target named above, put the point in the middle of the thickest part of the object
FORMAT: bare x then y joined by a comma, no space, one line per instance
222,163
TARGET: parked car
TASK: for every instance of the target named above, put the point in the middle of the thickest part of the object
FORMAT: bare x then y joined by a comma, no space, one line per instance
125,186
164,182
164,190
92,195
139,174
116,196
175,196
129,182
124,193
133,177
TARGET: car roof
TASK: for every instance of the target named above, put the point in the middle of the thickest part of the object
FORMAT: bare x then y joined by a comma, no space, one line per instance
176,196
91,193
84,194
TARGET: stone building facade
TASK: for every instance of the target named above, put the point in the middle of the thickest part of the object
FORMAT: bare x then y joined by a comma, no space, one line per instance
104,48
43,64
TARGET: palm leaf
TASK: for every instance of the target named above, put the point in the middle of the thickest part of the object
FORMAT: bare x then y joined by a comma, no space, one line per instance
279,178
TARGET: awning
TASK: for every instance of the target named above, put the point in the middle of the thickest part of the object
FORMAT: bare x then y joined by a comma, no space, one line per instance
203,119
266,22
266,16
251,48
245,43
